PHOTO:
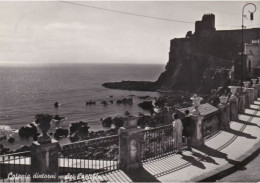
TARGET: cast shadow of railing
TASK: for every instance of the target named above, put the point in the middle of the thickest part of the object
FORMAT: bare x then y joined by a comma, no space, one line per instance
247,123
141,175
216,153
193,161
175,163
252,112
115,176
204,158
241,134
249,119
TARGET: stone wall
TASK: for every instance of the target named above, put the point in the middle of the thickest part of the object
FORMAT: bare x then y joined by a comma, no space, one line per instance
210,121
210,125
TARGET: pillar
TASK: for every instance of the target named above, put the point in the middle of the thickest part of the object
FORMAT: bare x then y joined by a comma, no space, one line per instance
255,92
224,116
233,108
44,154
130,145
44,162
252,95
233,103
255,87
241,102
258,86
197,138
247,98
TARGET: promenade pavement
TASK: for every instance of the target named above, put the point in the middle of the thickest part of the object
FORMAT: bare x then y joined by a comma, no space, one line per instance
248,173
220,153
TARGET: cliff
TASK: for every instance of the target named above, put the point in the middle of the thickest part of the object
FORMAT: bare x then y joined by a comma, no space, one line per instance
190,58
200,61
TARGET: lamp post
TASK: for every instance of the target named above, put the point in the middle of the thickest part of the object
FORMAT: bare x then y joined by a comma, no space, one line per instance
242,47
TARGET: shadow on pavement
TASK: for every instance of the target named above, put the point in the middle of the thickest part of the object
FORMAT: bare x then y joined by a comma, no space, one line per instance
204,158
246,123
241,168
215,153
141,175
120,176
193,161
242,134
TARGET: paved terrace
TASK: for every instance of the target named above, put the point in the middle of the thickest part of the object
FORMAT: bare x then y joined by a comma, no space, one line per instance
220,152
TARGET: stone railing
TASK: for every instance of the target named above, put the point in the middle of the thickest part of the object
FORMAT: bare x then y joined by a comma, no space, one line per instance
157,142
15,163
210,124
98,155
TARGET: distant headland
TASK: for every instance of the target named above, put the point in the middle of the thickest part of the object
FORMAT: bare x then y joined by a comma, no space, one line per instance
132,85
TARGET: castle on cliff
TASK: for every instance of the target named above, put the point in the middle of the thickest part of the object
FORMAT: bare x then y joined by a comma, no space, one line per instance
200,58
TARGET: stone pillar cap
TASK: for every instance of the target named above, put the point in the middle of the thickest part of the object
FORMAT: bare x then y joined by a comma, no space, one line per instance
223,99
130,122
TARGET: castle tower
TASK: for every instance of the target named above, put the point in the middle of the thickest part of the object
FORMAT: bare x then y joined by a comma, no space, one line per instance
206,25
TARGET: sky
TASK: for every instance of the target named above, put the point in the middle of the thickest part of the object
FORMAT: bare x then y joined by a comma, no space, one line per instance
87,32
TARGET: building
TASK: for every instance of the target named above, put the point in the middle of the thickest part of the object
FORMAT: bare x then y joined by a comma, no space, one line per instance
252,51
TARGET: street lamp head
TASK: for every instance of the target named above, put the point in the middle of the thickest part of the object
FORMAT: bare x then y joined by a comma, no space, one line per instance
251,16
251,11
242,48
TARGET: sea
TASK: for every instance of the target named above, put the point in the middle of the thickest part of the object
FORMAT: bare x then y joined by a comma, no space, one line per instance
27,90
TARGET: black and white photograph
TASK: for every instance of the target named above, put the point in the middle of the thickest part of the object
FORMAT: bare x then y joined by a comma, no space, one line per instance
129,91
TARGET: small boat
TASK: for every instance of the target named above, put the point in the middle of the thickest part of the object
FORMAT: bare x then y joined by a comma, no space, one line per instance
56,104
90,103
104,103
58,118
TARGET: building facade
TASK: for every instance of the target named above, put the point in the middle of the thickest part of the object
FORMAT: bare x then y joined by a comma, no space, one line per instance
252,51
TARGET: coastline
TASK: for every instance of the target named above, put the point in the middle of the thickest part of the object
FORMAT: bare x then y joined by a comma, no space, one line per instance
24,143
29,89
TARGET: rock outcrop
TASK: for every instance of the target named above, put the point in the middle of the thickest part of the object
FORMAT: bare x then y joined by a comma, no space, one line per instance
23,148
60,132
107,122
28,131
147,105
58,118
4,150
125,101
78,130
117,122
11,139
74,137
81,127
